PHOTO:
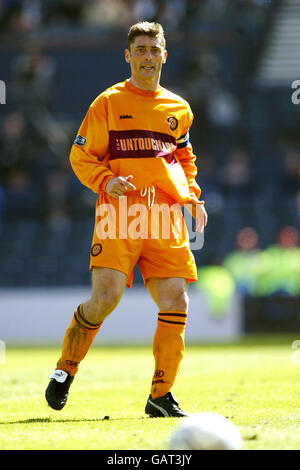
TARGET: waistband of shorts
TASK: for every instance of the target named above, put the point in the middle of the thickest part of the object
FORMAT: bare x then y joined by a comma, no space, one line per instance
159,195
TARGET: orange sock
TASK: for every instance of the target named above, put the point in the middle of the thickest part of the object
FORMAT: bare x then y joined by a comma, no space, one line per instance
77,341
168,349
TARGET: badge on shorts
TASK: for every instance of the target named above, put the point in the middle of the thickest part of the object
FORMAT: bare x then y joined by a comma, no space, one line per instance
96,249
79,140
173,122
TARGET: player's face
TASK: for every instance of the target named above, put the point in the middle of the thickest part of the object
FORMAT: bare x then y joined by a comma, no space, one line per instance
146,56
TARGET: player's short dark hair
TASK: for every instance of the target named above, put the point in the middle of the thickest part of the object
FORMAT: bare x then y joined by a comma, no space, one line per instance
145,28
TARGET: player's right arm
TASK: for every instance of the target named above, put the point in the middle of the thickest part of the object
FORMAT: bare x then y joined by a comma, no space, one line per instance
89,153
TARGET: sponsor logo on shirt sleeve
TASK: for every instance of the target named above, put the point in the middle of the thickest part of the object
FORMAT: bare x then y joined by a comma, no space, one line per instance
79,140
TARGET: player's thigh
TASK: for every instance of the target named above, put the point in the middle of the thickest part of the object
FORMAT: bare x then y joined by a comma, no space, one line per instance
169,293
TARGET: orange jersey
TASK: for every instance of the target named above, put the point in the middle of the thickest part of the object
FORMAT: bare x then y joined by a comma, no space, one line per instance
128,130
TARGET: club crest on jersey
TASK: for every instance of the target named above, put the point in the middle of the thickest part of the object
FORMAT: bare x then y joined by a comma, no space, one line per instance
96,249
173,122
79,140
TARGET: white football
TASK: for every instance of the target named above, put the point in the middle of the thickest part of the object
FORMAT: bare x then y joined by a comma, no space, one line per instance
205,431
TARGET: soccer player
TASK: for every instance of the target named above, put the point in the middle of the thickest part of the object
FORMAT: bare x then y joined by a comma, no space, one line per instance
133,147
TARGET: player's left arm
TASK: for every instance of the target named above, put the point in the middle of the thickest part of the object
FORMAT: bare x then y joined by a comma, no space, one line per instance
185,156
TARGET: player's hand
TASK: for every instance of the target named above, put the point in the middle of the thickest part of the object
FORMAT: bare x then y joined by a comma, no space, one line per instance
199,214
201,218
116,187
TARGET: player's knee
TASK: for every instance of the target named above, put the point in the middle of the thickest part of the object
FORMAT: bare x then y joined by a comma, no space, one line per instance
109,299
100,306
176,299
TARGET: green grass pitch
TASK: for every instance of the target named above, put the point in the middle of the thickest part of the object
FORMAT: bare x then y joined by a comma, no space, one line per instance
255,382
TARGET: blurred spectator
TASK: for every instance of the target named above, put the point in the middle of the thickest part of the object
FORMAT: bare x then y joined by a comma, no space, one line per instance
197,78
213,8
171,13
123,13
2,205
201,75
58,221
57,189
33,76
144,10
31,14
272,271
242,263
236,176
247,239
21,197
288,237
223,109
63,12
20,16
207,179
64,194
297,204
107,14
250,15
207,172
218,286
290,179
278,270
12,140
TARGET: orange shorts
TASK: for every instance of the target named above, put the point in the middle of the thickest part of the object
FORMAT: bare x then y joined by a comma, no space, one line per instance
145,230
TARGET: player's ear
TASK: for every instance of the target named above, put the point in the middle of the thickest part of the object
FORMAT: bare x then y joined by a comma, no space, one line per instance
127,55
165,56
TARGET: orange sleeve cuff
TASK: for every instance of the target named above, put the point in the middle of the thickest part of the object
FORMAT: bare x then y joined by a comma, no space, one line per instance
105,181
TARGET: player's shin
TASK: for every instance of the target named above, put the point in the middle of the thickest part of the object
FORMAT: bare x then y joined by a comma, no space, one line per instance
77,341
168,349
